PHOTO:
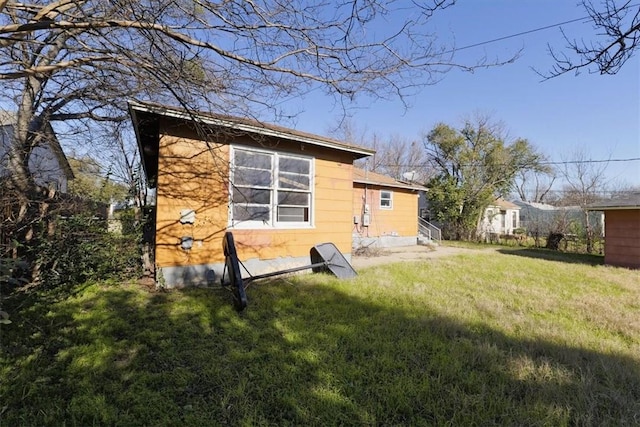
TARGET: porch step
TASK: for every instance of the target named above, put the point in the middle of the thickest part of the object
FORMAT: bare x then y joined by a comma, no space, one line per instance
426,241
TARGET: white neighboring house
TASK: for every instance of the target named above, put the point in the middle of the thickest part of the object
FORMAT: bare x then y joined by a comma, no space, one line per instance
47,162
500,218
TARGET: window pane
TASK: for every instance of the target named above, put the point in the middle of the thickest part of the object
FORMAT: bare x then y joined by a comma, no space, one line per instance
251,213
260,178
252,160
252,195
286,214
386,199
292,165
298,182
258,175
293,199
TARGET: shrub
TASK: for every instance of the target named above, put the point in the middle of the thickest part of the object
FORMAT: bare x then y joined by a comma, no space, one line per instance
81,248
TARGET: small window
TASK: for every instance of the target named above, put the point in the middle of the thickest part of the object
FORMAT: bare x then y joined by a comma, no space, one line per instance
514,217
386,199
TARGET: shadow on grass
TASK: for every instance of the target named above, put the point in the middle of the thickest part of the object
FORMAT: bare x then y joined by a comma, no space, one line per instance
551,255
304,354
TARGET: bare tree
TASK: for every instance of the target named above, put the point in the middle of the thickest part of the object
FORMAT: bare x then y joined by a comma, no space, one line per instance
396,156
128,171
346,129
405,159
585,181
534,185
76,62
618,37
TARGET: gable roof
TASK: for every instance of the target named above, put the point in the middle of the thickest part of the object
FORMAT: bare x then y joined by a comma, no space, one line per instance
502,203
10,118
629,200
362,176
545,207
145,117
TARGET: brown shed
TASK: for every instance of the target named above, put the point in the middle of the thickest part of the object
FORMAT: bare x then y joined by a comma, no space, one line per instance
621,230
279,191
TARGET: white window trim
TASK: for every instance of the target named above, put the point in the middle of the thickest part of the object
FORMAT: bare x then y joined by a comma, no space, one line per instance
390,207
273,224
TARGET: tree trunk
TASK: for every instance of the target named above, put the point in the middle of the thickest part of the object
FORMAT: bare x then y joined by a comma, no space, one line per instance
147,228
588,232
553,241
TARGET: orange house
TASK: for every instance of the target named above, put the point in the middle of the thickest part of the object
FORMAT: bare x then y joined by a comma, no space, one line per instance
278,190
621,230
385,210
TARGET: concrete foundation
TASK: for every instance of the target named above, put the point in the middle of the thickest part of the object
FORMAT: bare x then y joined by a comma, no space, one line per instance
384,241
211,274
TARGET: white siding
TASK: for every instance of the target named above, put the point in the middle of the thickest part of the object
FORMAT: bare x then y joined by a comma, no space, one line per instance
43,163
497,220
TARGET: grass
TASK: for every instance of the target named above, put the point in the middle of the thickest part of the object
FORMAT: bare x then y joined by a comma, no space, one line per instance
481,339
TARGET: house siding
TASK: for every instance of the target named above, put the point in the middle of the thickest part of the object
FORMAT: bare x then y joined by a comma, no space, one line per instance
622,233
194,175
44,164
499,221
399,223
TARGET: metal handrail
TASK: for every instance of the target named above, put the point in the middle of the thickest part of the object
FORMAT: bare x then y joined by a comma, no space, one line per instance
430,230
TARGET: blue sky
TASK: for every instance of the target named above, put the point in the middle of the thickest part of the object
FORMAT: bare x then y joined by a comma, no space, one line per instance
599,113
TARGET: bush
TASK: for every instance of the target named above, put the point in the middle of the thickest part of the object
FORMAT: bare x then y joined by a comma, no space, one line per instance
82,249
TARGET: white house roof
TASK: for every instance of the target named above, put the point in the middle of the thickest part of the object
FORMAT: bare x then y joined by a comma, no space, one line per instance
545,206
504,204
9,118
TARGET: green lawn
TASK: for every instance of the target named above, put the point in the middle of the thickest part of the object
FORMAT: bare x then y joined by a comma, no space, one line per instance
509,338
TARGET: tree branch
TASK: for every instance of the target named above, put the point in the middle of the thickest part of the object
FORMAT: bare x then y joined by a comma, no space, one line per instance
623,39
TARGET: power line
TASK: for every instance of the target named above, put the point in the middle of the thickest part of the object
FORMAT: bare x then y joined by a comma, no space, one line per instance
516,35
574,162
546,27
566,162
534,30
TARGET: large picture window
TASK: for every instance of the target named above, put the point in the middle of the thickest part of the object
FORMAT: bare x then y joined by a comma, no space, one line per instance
270,188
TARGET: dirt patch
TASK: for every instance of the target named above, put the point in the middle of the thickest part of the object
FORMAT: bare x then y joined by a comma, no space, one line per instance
370,258
148,283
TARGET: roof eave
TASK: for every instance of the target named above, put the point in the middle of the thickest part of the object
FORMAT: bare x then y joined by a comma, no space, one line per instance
59,152
613,208
386,184
135,122
183,115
